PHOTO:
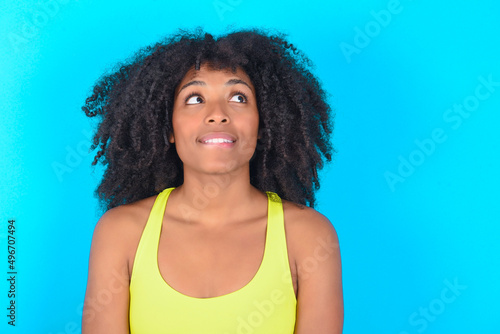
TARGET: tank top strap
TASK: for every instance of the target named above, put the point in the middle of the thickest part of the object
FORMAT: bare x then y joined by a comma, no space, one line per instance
276,247
145,256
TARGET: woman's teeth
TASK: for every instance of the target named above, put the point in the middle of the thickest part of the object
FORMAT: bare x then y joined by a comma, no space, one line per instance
218,140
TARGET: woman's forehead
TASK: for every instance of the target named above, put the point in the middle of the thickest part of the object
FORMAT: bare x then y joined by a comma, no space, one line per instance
207,72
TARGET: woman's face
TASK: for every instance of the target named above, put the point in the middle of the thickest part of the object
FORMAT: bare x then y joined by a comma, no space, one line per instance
215,121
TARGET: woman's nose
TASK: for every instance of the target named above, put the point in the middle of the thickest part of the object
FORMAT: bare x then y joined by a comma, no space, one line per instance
217,119
217,115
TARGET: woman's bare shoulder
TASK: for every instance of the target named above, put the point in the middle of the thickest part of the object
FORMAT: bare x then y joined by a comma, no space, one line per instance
126,218
314,246
307,229
122,226
303,218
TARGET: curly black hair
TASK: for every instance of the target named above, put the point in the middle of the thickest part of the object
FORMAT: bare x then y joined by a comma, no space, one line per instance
135,104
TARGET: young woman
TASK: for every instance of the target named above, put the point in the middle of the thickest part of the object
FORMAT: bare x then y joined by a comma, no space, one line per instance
212,149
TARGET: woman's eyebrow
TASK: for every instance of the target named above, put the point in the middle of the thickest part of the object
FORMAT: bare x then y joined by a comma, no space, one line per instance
203,83
237,81
195,82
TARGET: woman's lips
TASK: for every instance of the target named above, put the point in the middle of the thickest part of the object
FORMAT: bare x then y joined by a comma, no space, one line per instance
218,139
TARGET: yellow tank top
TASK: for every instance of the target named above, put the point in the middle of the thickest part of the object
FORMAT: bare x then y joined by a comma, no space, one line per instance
266,305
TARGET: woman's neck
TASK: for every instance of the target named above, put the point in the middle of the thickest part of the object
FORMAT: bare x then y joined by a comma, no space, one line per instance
216,200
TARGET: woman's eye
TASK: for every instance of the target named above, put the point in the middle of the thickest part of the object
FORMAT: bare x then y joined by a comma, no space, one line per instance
195,99
239,98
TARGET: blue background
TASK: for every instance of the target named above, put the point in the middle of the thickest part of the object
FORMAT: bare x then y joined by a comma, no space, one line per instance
405,237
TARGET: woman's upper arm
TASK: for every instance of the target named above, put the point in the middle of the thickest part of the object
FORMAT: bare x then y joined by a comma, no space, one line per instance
106,304
320,308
